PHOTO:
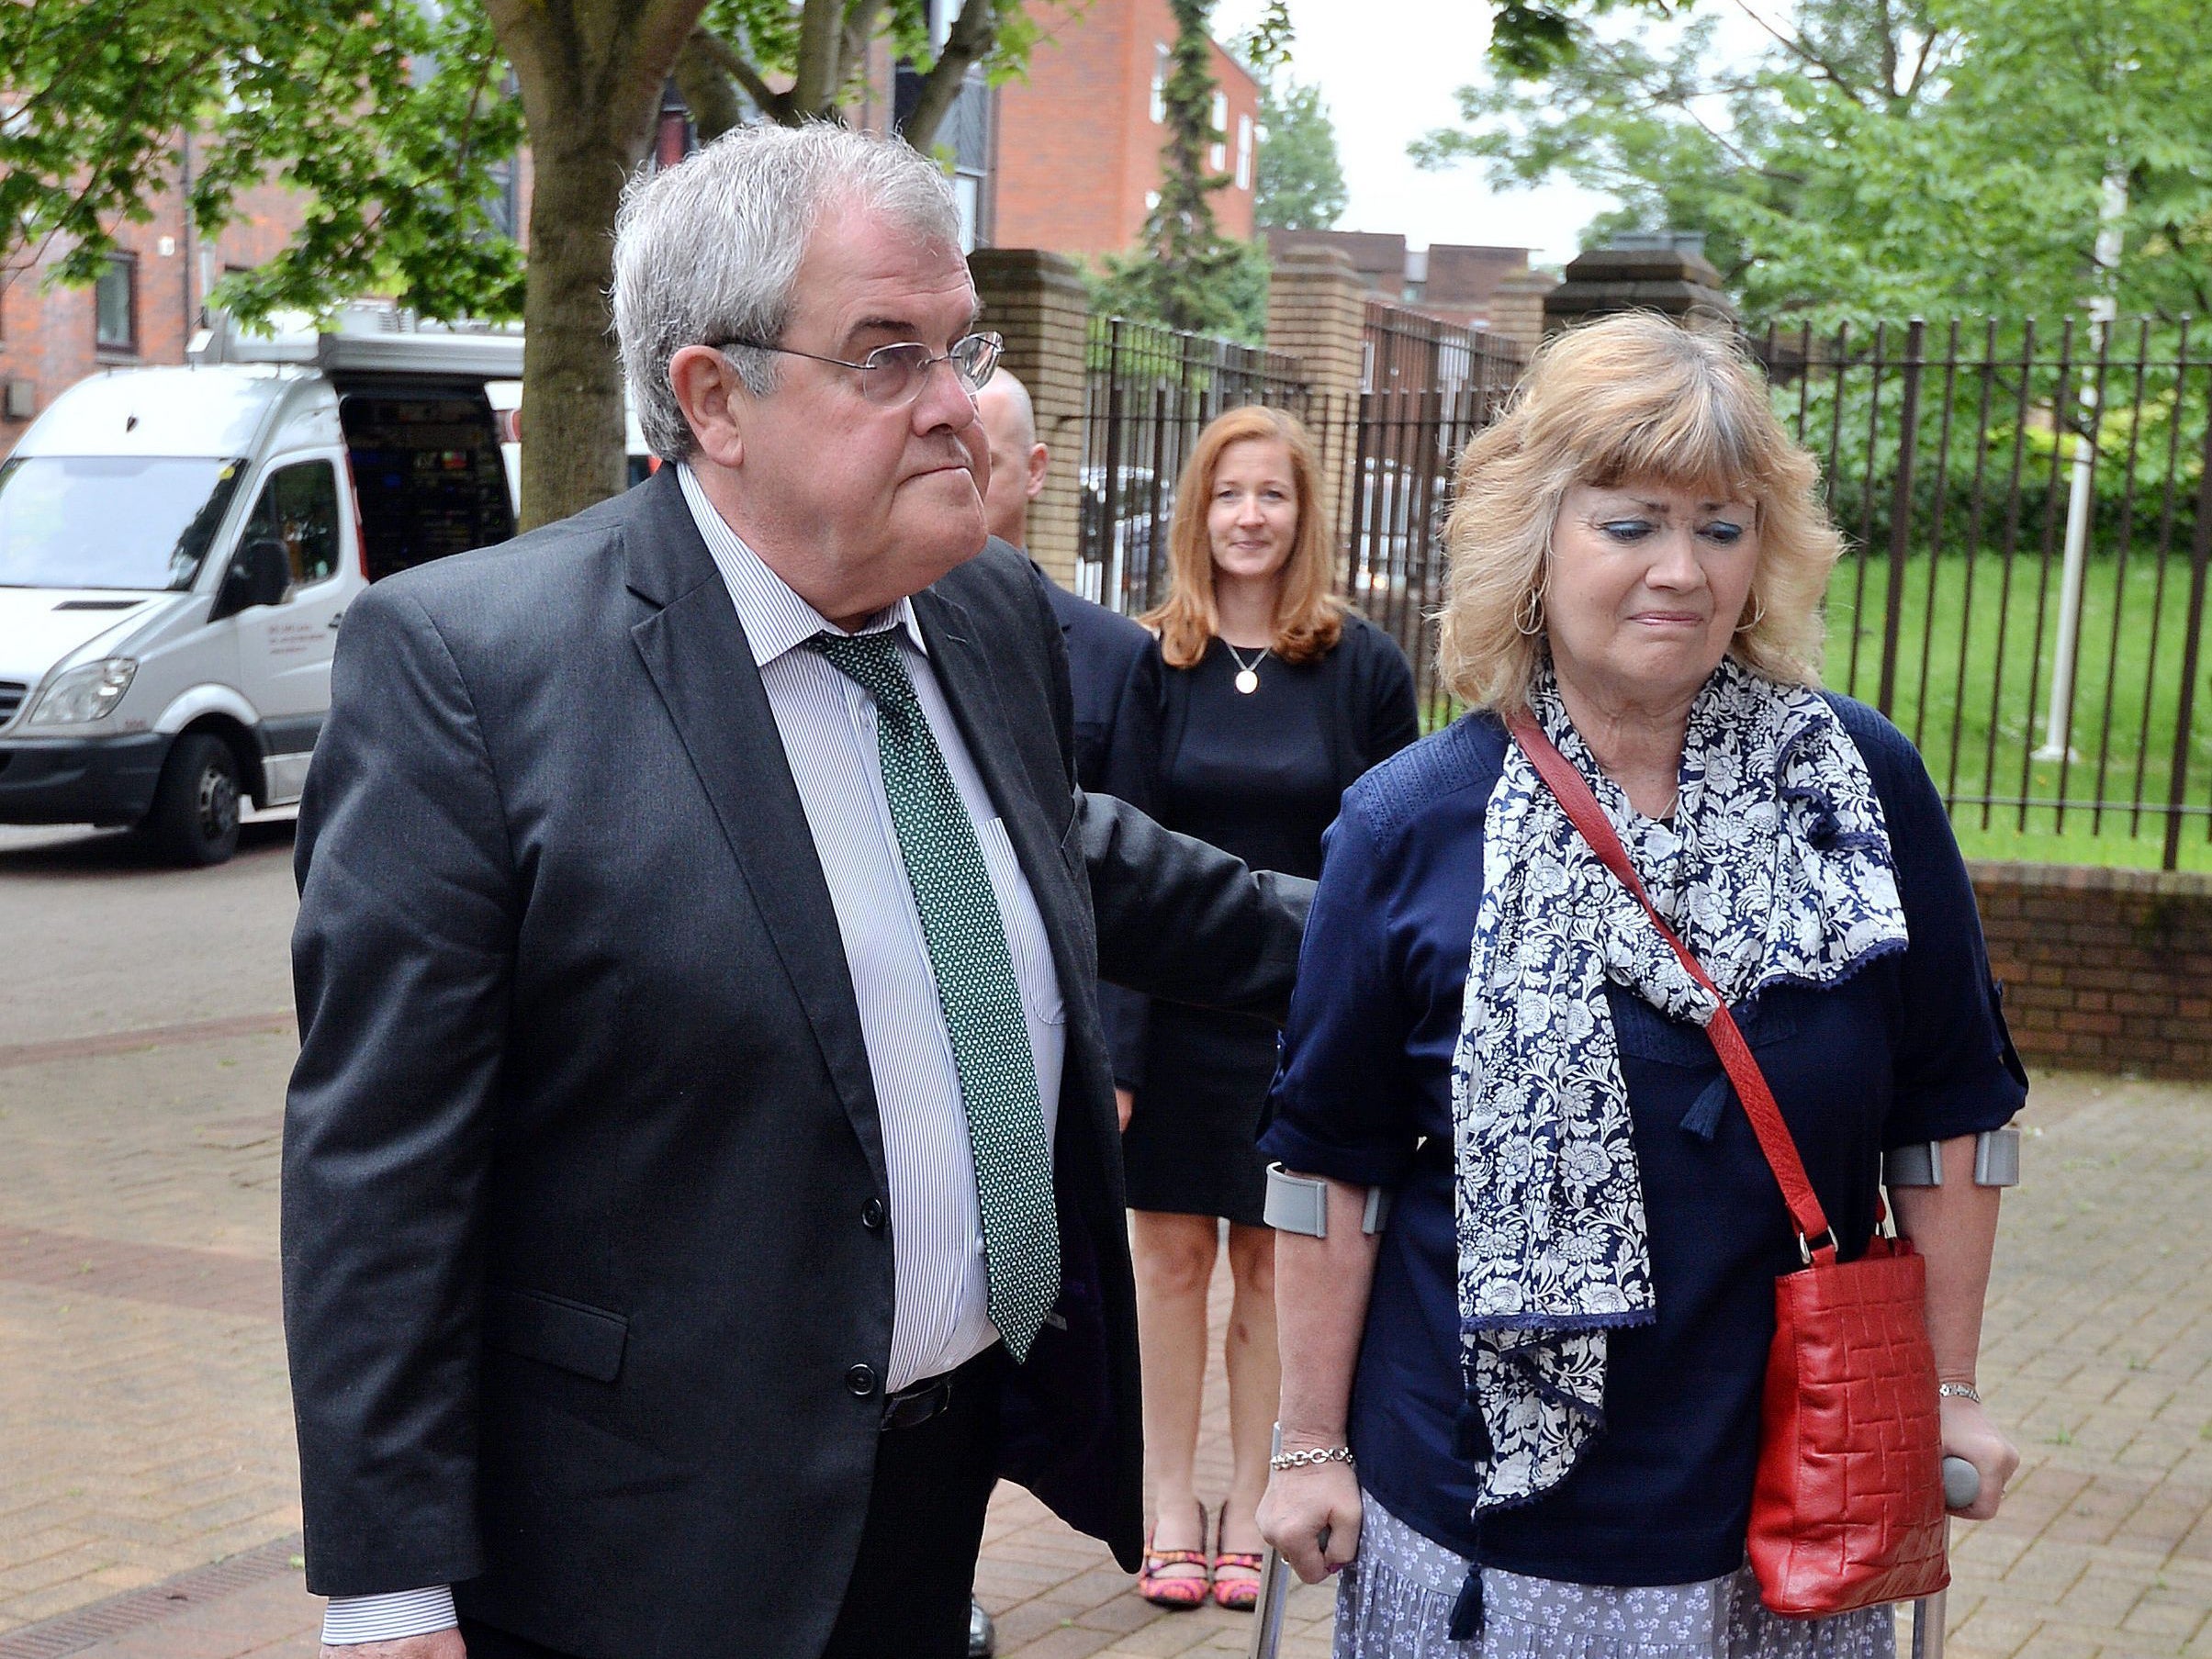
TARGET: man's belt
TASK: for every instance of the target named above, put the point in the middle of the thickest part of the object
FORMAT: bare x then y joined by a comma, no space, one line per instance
917,1403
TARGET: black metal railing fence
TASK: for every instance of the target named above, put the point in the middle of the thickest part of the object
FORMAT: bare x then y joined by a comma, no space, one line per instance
1404,351
2027,514
2023,590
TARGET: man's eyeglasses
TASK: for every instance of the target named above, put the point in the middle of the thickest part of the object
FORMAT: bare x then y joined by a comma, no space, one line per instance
892,374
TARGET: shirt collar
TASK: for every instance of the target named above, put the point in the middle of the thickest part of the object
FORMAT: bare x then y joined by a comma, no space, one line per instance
775,619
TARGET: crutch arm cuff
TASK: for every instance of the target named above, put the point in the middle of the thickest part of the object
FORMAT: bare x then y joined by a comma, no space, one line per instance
1299,1204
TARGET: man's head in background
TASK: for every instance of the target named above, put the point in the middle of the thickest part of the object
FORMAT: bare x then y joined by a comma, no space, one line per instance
1018,459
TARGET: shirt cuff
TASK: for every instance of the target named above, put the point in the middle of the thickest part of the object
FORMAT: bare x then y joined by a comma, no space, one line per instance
356,1618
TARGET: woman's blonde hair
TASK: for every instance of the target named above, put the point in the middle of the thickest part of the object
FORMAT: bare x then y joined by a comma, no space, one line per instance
1308,616
1629,398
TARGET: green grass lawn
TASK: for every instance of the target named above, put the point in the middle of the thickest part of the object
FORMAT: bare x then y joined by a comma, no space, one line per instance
1972,691
1974,688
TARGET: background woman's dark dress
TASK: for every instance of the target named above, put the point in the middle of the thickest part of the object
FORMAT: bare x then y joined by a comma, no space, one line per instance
1261,775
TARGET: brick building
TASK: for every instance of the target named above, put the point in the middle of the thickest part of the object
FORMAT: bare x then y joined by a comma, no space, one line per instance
1454,282
1076,143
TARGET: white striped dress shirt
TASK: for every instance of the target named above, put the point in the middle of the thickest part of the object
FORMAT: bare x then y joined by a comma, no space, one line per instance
941,1314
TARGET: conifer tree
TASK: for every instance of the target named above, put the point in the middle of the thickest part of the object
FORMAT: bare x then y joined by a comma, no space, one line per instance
1184,273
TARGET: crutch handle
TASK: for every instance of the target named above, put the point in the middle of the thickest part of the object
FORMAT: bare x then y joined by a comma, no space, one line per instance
1961,1482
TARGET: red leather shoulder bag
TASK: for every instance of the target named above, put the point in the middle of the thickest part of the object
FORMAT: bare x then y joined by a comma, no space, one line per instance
1848,1509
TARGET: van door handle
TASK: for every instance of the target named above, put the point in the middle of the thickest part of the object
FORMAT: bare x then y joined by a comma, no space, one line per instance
337,619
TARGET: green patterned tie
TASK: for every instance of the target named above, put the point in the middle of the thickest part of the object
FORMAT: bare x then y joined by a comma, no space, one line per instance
975,987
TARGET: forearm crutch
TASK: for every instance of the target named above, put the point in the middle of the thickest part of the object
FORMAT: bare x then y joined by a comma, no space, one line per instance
1296,1203
1275,1593
1961,1482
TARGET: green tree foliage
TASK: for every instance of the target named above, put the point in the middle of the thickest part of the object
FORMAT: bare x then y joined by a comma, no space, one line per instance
393,118
390,117
1887,156
1124,285
1301,181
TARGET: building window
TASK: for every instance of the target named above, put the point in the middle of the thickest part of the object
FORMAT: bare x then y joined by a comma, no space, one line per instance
1160,62
1244,152
1220,150
115,305
968,194
965,132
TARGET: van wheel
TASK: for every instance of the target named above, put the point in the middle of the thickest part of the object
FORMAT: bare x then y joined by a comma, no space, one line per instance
195,818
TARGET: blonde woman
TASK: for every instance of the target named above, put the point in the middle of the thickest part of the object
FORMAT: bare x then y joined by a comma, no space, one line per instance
1263,699
1548,1366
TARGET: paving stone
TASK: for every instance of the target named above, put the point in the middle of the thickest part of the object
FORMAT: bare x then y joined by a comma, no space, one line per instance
145,1425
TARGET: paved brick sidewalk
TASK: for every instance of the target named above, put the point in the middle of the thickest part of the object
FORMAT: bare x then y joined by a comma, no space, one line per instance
145,1434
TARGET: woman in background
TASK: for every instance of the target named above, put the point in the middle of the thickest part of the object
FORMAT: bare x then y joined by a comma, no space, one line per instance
1262,701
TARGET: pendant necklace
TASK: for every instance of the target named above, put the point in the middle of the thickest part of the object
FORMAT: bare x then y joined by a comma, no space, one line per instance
1248,678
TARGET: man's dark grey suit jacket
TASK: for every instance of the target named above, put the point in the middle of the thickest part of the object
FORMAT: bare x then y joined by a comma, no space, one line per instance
577,1286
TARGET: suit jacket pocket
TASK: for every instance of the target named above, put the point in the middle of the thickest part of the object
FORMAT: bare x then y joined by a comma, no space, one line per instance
571,1336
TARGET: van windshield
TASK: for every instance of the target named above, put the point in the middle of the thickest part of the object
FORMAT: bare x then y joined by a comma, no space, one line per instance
135,521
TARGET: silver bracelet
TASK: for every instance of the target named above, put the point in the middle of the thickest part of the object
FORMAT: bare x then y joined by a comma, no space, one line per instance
1304,1460
1959,1391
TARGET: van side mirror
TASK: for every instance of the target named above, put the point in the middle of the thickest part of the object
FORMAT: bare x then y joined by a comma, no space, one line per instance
260,574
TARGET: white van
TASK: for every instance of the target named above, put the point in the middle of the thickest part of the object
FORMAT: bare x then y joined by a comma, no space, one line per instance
178,547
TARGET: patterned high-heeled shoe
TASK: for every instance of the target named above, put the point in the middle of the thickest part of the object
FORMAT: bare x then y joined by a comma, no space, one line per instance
1238,1595
1181,1591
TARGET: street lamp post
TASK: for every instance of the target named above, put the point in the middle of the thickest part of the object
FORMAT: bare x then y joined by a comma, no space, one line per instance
2103,308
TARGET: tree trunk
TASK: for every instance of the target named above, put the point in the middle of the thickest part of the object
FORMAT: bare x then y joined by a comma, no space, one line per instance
572,396
590,72
970,40
708,89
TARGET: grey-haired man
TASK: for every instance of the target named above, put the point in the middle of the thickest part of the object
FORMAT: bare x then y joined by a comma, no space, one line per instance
701,1171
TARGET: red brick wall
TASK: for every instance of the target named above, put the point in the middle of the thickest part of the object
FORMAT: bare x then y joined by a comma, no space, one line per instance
2105,969
1078,151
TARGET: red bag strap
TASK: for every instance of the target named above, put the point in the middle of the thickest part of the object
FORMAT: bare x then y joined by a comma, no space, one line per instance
1588,817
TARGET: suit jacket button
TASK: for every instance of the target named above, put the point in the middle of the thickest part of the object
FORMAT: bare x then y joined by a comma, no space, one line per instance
872,1215
861,1379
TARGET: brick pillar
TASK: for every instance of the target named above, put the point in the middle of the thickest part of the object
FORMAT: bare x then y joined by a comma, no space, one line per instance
1037,301
1316,312
1517,307
1676,281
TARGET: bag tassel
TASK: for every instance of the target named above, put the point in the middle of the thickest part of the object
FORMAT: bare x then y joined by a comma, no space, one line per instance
1466,1612
1470,1434
1703,1118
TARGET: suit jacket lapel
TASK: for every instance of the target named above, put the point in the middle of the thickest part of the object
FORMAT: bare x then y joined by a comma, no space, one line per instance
695,650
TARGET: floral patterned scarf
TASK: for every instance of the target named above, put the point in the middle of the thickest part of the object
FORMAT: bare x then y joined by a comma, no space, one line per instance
1775,869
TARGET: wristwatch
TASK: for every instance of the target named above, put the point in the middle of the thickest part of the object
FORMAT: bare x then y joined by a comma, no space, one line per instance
1959,1391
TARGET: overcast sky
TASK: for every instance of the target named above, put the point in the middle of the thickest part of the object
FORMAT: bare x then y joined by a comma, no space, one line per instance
1388,69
